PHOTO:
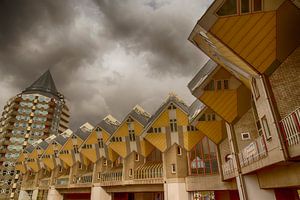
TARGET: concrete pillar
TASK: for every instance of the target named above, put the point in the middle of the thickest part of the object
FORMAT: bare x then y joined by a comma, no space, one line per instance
98,193
254,191
176,191
53,194
35,194
23,195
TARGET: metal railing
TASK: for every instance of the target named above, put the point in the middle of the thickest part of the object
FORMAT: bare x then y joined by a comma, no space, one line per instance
228,168
83,179
149,171
255,151
62,181
290,127
110,176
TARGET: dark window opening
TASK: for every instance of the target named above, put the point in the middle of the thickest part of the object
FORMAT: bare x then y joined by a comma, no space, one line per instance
228,8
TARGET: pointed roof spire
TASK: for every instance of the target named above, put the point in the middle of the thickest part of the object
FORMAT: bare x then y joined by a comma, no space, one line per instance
44,84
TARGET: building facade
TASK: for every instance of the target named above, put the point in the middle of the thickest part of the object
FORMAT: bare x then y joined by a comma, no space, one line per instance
155,157
32,115
239,140
252,82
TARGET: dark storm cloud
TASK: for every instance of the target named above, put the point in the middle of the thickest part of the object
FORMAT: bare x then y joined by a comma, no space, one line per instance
160,30
105,55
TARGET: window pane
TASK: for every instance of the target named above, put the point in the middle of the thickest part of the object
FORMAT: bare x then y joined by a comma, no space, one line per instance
219,85
245,6
226,84
257,5
228,8
266,127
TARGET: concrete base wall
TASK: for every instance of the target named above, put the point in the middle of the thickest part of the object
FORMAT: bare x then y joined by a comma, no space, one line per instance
23,195
53,194
176,191
253,190
98,193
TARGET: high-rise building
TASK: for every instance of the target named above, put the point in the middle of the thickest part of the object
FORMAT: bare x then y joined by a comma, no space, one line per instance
34,114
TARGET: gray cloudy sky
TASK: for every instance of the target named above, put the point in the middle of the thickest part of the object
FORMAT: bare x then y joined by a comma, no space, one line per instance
105,55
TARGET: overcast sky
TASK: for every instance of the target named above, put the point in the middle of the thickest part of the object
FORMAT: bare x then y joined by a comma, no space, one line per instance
106,56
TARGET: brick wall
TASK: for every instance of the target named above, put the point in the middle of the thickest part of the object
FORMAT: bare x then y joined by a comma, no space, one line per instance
285,82
245,124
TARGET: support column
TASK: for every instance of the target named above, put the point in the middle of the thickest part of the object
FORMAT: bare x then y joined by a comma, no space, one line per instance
98,193
53,194
254,191
35,194
175,191
23,195
248,185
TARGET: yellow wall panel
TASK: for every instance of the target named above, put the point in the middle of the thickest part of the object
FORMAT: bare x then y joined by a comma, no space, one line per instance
146,148
251,36
158,140
112,155
67,158
105,136
122,131
119,148
224,103
138,128
182,118
162,120
89,154
214,130
190,139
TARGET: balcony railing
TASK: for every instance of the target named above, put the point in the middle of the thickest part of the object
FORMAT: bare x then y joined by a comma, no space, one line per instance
83,179
228,168
149,171
62,181
290,127
110,176
255,151
44,183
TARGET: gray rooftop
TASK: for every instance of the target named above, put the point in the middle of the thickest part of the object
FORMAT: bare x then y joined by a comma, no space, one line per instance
81,134
43,145
44,84
201,76
142,119
108,127
29,148
196,108
60,139
171,99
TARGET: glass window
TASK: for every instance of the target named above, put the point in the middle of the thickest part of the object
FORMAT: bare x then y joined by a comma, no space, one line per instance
257,5
210,85
219,85
226,84
228,8
266,128
245,8
255,88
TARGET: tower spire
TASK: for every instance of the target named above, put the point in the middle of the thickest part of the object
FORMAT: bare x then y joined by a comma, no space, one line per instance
44,83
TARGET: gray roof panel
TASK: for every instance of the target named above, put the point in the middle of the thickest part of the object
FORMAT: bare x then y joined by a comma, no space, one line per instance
60,139
108,127
44,84
81,134
201,76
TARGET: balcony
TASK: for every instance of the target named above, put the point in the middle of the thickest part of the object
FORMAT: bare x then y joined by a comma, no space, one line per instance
290,128
83,180
28,184
229,169
109,178
255,151
148,173
62,182
44,183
